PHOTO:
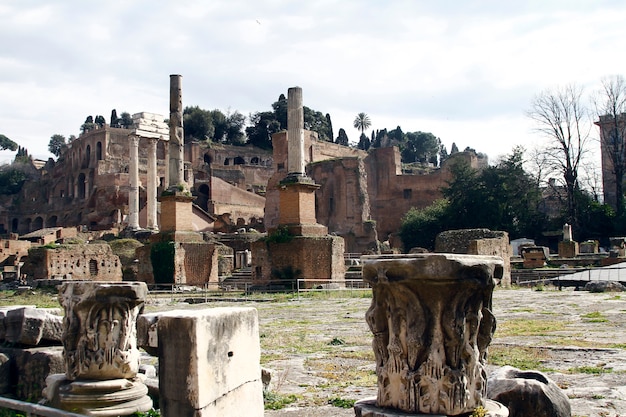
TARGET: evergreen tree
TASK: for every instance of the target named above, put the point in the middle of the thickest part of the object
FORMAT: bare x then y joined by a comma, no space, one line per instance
342,138
330,127
114,119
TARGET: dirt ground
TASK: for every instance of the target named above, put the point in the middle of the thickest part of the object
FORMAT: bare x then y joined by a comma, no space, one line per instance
319,348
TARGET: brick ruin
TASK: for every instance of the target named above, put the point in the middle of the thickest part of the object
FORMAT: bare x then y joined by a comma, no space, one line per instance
362,196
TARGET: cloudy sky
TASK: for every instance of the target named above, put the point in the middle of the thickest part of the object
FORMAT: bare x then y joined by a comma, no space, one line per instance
464,70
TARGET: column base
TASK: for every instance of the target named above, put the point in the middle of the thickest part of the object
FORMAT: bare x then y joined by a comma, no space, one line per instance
114,397
368,408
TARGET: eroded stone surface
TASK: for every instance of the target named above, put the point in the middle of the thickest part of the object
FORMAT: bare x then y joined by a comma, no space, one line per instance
432,323
30,326
528,393
100,340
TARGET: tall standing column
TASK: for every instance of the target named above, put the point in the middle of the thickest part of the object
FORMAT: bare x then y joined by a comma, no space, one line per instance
177,154
133,194
295,132
151,191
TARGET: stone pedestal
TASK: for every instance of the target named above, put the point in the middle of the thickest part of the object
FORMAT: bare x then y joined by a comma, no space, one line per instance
568,249
100,350
368,408
176,211
432,323
209,363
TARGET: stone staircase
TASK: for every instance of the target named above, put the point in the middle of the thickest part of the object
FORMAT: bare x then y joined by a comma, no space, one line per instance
240,279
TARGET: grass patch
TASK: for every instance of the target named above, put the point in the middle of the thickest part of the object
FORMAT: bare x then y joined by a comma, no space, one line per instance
519,357
341,402
590,370
42,298
529,327
343,375
594,317
581,343
275,401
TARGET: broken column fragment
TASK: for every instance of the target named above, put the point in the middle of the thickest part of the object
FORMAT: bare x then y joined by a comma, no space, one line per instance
432,323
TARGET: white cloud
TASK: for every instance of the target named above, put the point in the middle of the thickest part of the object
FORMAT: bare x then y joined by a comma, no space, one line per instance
465,71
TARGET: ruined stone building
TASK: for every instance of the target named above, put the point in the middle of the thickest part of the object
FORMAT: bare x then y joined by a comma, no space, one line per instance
89,185
612,146
362,195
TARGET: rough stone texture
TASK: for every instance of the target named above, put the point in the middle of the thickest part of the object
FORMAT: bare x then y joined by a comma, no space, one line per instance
215,355
194,263
478,242
368,408
32,326
432,323
342,202
100,339
176,142
568,249
92,262
29,369
176,213
527,393
318,258
604,286
5,374
589,246
3,313
534,256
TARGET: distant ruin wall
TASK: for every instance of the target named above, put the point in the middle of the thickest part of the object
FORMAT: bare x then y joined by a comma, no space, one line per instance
319,258
93,262
478,242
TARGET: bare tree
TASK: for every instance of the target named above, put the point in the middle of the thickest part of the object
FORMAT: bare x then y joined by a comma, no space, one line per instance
610,105
561,117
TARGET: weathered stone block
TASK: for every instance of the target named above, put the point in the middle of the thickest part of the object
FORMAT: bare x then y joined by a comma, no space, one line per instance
527,393
29,369
5,374
29,326
604,286
215,355
3,314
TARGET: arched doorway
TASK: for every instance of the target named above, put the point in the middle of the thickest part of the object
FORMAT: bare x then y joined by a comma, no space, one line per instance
80,185
203,197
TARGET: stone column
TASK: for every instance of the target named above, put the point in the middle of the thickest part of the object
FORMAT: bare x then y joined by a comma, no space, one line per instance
100,350
295,132
133,194
151,190
176,145
432,323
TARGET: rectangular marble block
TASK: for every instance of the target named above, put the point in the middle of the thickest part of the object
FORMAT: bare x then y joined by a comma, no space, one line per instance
209,363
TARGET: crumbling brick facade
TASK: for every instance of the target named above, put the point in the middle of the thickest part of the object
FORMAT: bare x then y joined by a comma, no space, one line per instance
94,262
317,258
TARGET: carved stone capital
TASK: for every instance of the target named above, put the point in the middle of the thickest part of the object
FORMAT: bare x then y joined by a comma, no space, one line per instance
432,323
100,334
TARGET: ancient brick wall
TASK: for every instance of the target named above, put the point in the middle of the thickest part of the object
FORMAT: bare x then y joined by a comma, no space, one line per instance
392,193
306,257
17,248
93,262
478,242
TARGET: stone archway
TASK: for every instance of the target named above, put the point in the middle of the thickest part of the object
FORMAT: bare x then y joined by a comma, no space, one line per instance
203,197
80,185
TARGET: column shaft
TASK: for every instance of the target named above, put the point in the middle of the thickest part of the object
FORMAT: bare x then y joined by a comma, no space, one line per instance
133,194
151,191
